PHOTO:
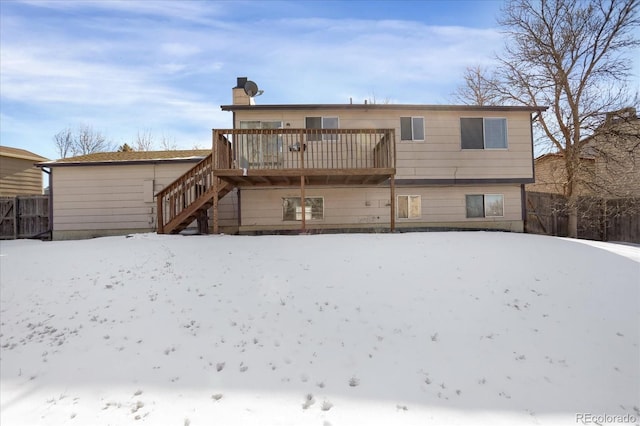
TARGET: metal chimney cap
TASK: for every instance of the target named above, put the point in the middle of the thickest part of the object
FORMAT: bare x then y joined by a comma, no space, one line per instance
241,81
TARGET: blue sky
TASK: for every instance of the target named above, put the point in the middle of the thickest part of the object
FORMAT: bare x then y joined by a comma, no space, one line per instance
165,67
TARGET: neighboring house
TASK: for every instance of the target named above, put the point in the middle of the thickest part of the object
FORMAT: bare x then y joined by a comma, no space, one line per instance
551,176
361,167
610,166
18,174
112,193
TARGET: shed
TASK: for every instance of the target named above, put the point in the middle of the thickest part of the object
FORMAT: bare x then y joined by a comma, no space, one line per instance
113,193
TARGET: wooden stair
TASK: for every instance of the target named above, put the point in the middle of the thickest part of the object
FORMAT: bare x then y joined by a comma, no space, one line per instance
188,198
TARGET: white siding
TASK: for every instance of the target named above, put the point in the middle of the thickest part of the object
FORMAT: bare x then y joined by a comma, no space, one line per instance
440,155
442,206
105,200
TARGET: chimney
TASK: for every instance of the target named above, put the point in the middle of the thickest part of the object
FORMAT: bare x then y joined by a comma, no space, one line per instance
241,81
624,114
239,96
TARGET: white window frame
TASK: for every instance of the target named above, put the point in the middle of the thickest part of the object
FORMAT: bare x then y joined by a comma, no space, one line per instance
485,209
484,134
486,204
297,213
411,199
413,131
268,148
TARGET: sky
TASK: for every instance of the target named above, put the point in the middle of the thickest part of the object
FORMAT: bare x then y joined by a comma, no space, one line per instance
164,67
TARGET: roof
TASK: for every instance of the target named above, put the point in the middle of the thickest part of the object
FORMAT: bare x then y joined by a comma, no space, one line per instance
130,157
23,154
561,155
382,107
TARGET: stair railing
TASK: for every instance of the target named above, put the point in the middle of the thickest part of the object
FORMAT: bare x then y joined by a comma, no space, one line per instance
182,192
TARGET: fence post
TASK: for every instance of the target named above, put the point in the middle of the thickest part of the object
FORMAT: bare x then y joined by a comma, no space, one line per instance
15,217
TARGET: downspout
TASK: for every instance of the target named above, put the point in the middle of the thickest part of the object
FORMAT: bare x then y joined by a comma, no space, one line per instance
50,202
238,190
523,192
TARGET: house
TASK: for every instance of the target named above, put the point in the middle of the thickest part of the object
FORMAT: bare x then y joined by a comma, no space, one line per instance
360,167
24,211
18,175
112,193
609,166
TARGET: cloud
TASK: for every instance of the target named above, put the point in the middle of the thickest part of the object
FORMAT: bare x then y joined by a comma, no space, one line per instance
167,66
180,49
193,11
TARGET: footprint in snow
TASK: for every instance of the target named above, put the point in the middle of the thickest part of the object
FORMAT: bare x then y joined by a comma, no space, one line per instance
309,400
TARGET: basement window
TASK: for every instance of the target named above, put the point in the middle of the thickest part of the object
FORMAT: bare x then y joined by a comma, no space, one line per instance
485,205
409,207
313,210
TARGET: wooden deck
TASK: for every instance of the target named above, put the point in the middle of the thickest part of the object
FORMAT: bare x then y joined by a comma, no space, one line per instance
276,157
270,157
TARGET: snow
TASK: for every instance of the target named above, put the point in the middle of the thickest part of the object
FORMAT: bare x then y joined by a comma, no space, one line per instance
447,328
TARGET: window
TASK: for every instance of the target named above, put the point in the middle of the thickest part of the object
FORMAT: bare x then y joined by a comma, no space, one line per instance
321,123
292,210
260,151
483,133
485,205
409,207
411,128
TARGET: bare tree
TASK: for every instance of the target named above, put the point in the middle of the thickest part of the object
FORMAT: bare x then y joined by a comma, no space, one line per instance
374,100
572,57
84,140
479,88
167,143
89,141
144,141
63,141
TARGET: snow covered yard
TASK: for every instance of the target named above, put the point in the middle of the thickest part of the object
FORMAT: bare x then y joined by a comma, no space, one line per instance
372,329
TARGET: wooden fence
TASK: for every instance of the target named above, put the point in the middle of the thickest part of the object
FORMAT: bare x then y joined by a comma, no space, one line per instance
598,219
24,217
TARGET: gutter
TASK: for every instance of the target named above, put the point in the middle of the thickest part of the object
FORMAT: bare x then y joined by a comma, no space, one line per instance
120,163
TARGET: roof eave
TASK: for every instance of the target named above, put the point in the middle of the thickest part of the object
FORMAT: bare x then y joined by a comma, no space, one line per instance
118,163
382,107
24,157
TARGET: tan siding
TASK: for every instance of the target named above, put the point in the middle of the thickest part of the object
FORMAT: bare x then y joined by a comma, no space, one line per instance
344,207
551,176
438,157
112,198
19,177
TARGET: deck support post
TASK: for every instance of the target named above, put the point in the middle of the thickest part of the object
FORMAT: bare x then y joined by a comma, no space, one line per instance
303,201
214,181
392,190
215,204
159,214
304,206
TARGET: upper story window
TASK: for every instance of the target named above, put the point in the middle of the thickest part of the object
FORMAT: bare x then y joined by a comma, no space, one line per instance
321,123
483,133
411,128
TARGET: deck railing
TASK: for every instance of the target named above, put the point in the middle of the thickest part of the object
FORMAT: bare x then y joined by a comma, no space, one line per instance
283,149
